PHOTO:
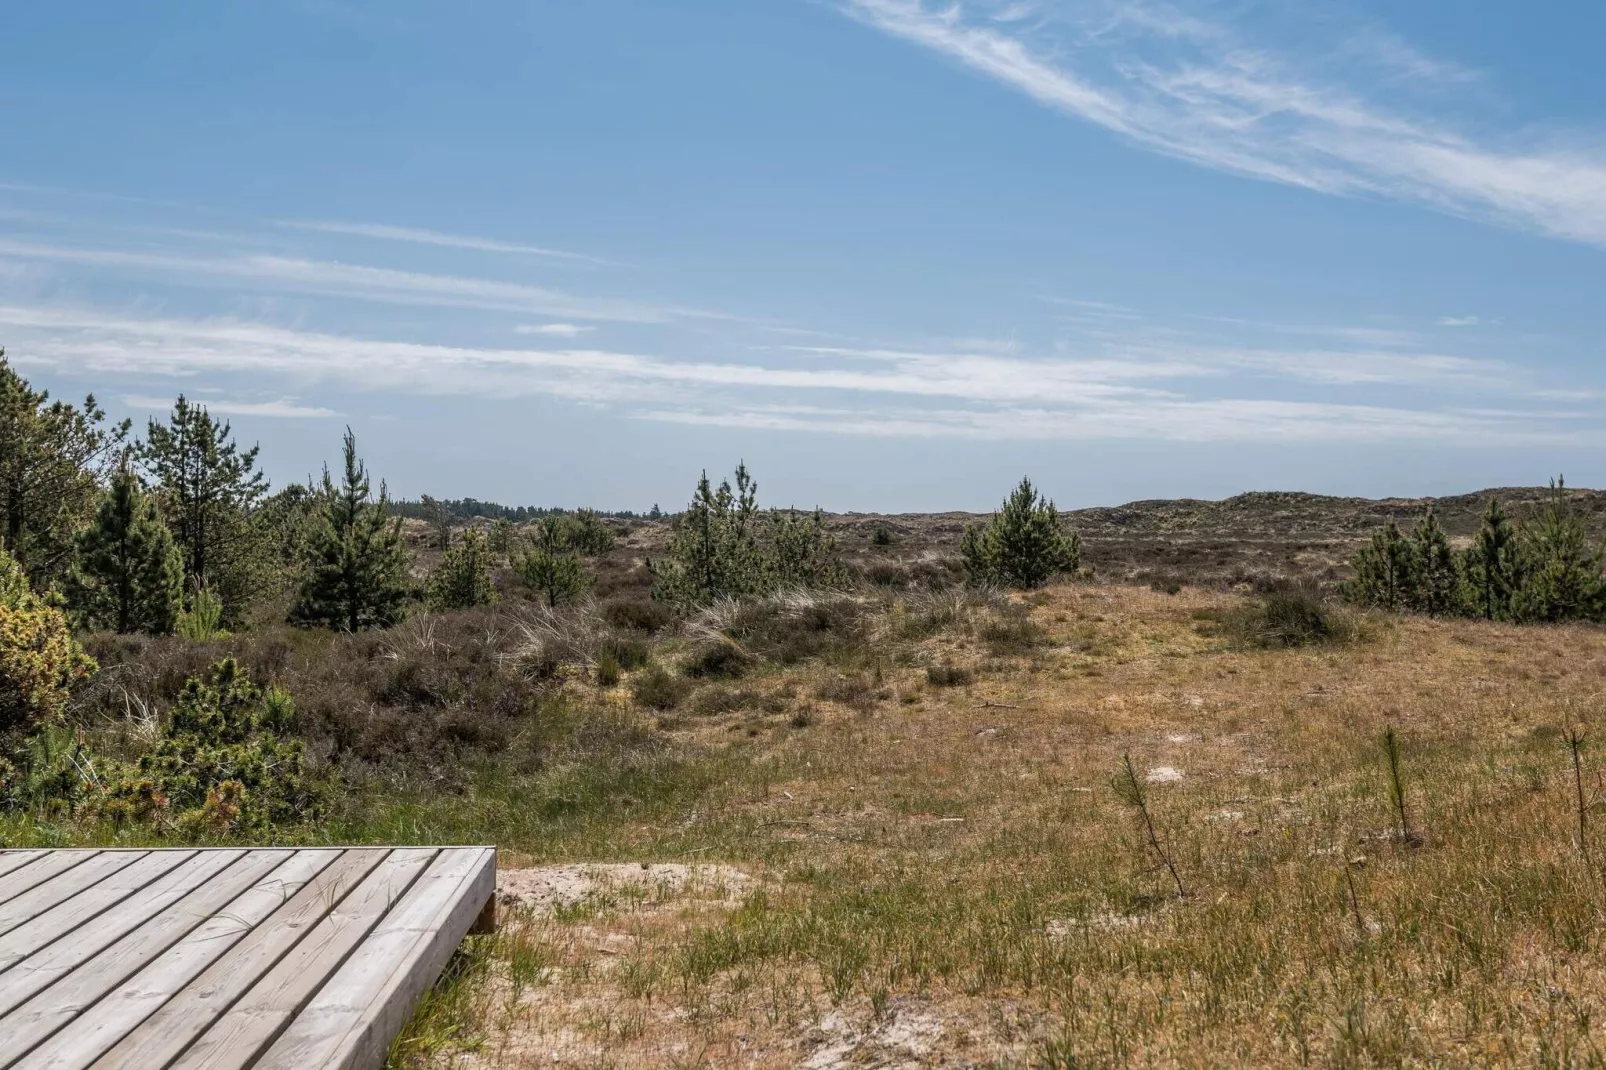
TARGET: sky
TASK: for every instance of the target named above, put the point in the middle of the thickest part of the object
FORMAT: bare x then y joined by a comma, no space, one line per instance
893,253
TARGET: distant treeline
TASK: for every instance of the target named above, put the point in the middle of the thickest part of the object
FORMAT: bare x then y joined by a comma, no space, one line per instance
464,509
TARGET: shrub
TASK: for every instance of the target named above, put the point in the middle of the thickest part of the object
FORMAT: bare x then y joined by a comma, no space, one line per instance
222,764
1293,615
854,690
1023,546
608,670
948,675
39,661
203,621
1013,632
723,547
657,689
462,580
787,628
881,536
637,614
627,650
717,658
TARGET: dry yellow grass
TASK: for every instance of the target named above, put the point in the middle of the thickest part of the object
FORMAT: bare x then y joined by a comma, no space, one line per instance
946,876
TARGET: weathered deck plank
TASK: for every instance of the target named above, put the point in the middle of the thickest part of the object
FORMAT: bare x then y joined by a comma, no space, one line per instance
189,1012
274,958
62,887
253,1023
351,1021
113,894
64,981
41,869
10,860
138,997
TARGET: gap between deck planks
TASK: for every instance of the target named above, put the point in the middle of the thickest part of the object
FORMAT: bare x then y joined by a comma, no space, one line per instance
227,957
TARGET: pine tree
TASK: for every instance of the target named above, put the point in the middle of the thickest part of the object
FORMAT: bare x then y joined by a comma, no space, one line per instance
1490,564
1385,572
714,551
1023,546
550,566
129,576
356,567
799,551
462,580
208,488
54,459
1437,590
500,541
1559,566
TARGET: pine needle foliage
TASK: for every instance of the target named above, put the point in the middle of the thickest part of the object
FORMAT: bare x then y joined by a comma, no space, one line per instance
1385,572
54,460
1023,546
1560,566
550,563
129,575
1545,569
462,580
208,487
223,764
724,546
39,661
356,572
1491,565
1437,590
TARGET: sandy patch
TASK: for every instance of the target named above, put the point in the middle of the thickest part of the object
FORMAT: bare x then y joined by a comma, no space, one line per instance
544,889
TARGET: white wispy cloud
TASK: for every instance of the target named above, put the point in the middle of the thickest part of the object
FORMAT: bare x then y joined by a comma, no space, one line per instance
1175,393
553,330
283,408
1459,321
420,236
1192,88
356,281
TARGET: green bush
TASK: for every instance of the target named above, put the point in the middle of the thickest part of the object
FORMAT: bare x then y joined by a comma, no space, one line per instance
39,661
1023,546
638,615
723,546
223,763
658,689
462,580
949,676
1290,615
717,658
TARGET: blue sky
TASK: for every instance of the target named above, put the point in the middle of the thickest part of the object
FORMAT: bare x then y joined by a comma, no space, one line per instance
895,253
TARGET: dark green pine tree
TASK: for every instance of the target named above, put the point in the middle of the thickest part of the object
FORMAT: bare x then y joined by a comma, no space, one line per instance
1490,565
356,567
208,489
1023,546
1560,566
714,551
129,575
462,580
1438,582
1385,572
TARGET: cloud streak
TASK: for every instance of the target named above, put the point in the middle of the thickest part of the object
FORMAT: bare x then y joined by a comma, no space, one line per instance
282,409
1192,89
1175,393
420,236
357,281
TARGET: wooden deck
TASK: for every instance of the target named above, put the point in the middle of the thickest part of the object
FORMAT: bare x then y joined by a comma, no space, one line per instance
275,959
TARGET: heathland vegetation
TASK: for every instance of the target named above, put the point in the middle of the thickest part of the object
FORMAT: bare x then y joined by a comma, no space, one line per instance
1131,786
